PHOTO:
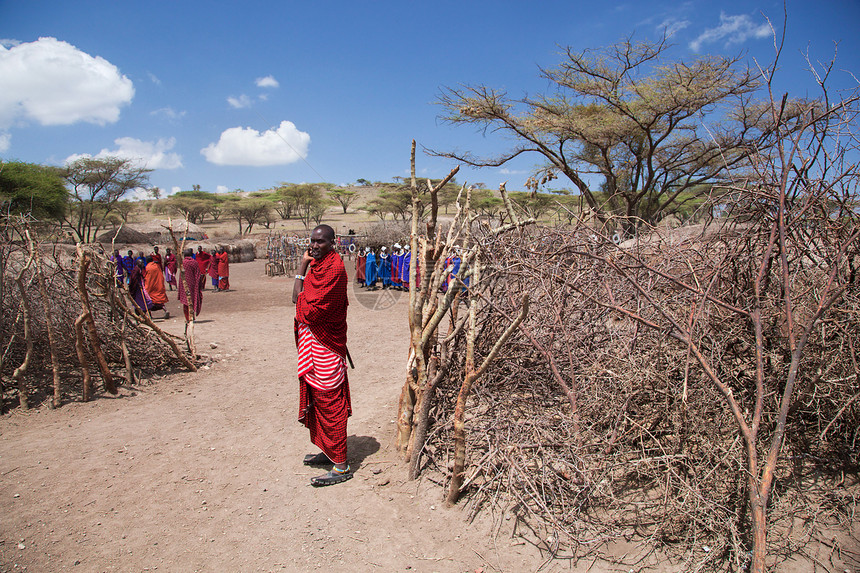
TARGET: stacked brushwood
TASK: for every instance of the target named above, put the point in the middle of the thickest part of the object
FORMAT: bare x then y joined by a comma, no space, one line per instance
65,325
669,394
598,424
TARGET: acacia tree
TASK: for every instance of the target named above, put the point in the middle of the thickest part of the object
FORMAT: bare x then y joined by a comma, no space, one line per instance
283,199
33,189
344,197
96,186
216,208
189,208
485,203
251,210
124,209
629,115
310,205
535,205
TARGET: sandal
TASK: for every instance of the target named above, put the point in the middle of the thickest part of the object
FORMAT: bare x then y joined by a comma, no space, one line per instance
319,459
332,477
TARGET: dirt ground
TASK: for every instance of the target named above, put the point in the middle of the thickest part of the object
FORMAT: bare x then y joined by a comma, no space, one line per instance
202,471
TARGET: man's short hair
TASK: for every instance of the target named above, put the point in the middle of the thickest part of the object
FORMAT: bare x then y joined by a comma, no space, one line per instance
327,231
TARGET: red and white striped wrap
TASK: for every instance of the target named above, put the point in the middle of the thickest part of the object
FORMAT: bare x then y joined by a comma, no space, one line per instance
319,366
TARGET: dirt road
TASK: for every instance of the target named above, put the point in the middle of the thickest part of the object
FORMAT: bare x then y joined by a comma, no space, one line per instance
203,472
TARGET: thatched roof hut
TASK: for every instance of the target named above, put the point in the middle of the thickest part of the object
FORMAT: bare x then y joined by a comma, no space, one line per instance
158,230
125,236
155,232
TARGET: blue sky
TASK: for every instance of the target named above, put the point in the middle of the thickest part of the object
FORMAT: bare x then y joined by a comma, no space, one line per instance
244,95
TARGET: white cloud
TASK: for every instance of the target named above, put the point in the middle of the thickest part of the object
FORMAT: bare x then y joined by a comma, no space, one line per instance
246,146
221,189
154,79
267,82
5,140
673,25
734,29
239,102
506,171
53,83
143,153
168,112
137,194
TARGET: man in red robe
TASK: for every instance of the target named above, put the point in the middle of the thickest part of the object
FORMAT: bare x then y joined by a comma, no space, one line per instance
360,264
320,329
222,259
213,270
189,288
204,259
170,266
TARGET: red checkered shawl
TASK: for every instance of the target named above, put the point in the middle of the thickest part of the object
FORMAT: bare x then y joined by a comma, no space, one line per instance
322,304
191,279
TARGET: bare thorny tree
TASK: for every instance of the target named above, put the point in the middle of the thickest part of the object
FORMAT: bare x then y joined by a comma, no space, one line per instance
696,391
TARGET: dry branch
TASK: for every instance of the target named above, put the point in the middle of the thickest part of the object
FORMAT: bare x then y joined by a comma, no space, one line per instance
18,374
87,317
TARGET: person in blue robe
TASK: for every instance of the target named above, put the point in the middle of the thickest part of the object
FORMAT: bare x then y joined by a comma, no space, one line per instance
397,267
370,270
128,264
404,268
385,268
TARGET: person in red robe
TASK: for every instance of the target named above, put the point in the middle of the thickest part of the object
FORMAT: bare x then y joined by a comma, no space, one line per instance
156,256
153,282
320,296
204,259
213,270
189,288
360,263
137,289
170,265
223,261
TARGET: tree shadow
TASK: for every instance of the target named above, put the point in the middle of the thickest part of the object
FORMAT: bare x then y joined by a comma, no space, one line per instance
359,448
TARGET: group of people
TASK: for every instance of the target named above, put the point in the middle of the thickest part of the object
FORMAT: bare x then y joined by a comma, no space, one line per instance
380,268
148,277
216,266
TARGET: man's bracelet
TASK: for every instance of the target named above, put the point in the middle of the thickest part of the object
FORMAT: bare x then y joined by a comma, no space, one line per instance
300,278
